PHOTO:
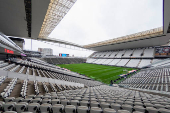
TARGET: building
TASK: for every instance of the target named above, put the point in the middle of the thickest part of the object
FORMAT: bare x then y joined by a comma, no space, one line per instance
46,51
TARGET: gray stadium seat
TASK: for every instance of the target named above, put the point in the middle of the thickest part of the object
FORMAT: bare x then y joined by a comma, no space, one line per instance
70,109
123,111
138,112
45,107
163,110
115,106
95,110
37,100
20,107
104,105
57,108
139,108
82,109
46,100
75,102
19,99
33,107
84,103
109,110
127,107
1,105
9,99
94,104
151,109
9,106
65,102
28,100
55,101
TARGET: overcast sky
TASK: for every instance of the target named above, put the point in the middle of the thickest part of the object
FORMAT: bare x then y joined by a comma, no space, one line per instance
91,21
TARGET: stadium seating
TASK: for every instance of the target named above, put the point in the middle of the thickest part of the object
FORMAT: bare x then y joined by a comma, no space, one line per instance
62,60
7,91
113,54
158,63
101,61
97,54
137,63
137,58
148,53
137,53
96,61
42,87
120,54
114,62
43,71
133,63
107,61
101,98
103,54
156,60
90,60
151,79
107,54
39,86
128,54
123,62
144,62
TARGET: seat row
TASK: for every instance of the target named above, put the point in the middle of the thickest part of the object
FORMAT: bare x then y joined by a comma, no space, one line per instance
138,63
36,87
7,91
53,88
42,103
24,89
92,99
45,87
47,72
151,79
130,53
2,79
61,60
11,107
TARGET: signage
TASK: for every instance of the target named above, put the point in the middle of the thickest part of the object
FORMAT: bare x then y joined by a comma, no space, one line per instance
9,51
163,51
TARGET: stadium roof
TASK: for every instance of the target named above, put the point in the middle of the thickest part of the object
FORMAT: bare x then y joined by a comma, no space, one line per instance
153,37
54,40
139,43
36,19
132,37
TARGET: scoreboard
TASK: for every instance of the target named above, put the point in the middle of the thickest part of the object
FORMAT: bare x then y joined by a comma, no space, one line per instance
63,55
162,51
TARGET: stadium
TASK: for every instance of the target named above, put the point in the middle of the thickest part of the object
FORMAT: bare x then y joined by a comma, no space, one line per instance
128,74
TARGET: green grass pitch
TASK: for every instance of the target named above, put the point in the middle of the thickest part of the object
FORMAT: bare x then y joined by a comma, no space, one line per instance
101,73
